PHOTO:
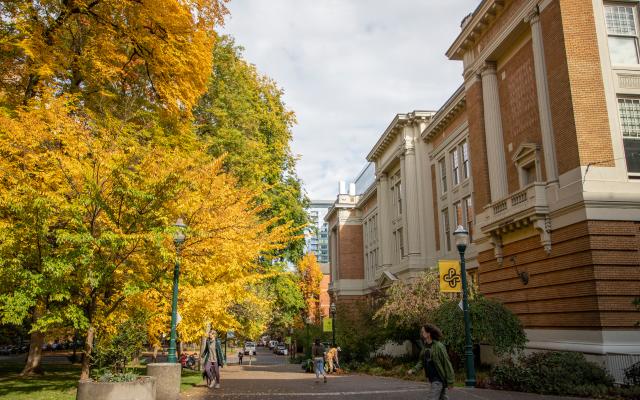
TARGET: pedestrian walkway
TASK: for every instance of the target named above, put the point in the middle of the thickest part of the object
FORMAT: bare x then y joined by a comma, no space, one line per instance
271,378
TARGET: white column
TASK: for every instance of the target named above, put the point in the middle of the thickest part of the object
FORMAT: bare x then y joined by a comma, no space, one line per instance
403,189
384,220
412,218
493,132
544,104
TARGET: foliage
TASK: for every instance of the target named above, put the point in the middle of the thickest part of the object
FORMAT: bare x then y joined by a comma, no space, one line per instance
100,203
408,305
492,324
122,55
110,376
245,118
559,373
286,298
310,277
114,352
358,334
632,375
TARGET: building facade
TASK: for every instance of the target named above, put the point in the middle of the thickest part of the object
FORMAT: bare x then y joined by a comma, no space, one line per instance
538,155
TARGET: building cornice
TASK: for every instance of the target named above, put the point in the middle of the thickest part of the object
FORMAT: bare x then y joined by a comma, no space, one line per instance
364,197
475,25
451,109
398,122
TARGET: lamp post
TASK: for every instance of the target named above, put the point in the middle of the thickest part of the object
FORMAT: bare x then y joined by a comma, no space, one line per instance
178,240
461,236
332,310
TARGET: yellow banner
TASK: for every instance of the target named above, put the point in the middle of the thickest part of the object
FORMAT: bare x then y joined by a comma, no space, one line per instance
327,325
450,278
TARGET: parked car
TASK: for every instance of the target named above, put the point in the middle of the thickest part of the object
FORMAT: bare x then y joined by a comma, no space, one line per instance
272,344
282,349
5,350
250,348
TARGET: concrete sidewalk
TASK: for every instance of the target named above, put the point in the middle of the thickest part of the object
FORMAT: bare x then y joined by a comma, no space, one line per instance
286,381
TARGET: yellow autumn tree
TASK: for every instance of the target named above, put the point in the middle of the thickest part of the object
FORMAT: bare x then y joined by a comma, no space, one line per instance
94,201
310,278
114,53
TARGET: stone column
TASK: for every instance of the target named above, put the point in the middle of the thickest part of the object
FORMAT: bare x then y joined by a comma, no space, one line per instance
384,220
544,104
411,213
493,131
403,187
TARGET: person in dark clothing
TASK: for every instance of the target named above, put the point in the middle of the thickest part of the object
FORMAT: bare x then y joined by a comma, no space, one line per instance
317,351
240,356
435,361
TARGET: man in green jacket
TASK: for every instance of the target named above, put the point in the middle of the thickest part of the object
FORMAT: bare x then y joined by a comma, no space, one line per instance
435,361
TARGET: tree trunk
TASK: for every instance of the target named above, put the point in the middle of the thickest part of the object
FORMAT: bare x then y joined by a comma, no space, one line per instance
32,366
88,348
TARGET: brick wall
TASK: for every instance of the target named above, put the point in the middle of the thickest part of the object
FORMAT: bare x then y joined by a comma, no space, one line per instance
452,126
477,146
351,257
586,84
588,281
518,108
562,117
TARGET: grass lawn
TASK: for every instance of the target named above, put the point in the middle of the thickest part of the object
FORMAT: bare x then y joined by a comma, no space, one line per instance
58,383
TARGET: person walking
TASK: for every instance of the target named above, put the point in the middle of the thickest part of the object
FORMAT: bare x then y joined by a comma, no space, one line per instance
213,360
317,351
240,355
435,361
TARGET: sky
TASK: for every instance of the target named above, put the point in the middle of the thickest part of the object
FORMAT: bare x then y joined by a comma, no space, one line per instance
347,68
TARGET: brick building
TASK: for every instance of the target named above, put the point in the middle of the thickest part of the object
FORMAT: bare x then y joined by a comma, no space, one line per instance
538,155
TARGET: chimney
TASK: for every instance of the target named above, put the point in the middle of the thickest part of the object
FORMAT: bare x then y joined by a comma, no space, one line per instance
342,189
352,189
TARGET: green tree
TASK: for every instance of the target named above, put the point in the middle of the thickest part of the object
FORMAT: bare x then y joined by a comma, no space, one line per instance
286,297
247,121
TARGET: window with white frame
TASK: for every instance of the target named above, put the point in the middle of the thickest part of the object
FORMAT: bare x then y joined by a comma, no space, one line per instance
443,175
464,152
629,109
468,215
455,167
622,30
396,194
446,228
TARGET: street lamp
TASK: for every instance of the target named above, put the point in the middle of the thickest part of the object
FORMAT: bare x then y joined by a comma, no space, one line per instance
461,236
178,240
332,310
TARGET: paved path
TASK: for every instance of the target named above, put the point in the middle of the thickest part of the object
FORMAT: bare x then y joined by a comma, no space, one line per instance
270,377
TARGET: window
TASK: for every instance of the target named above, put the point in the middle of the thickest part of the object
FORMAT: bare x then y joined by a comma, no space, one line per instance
629,109
528,173
464,149
455,167
459,218
468,211
401,242
396,193
443,176
622,32
446,228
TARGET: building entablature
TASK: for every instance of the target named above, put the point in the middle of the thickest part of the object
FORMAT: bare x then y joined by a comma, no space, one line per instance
441,119
474,26
395,127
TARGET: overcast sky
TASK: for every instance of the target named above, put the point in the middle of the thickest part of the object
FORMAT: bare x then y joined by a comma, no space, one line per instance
347,67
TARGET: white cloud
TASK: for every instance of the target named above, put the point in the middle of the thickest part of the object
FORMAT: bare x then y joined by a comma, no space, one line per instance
347,67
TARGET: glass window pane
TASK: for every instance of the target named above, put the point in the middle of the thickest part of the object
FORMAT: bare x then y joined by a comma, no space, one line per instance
629,117
623,50
632,153
620,20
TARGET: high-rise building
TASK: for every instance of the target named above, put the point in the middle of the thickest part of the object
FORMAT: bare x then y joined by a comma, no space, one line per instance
317,233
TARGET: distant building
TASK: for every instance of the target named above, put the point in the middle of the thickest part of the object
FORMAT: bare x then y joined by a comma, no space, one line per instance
317,234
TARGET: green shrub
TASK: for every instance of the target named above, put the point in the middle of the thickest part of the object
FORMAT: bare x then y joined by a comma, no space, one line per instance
559,373
492,324
108,376
112,353
632,375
